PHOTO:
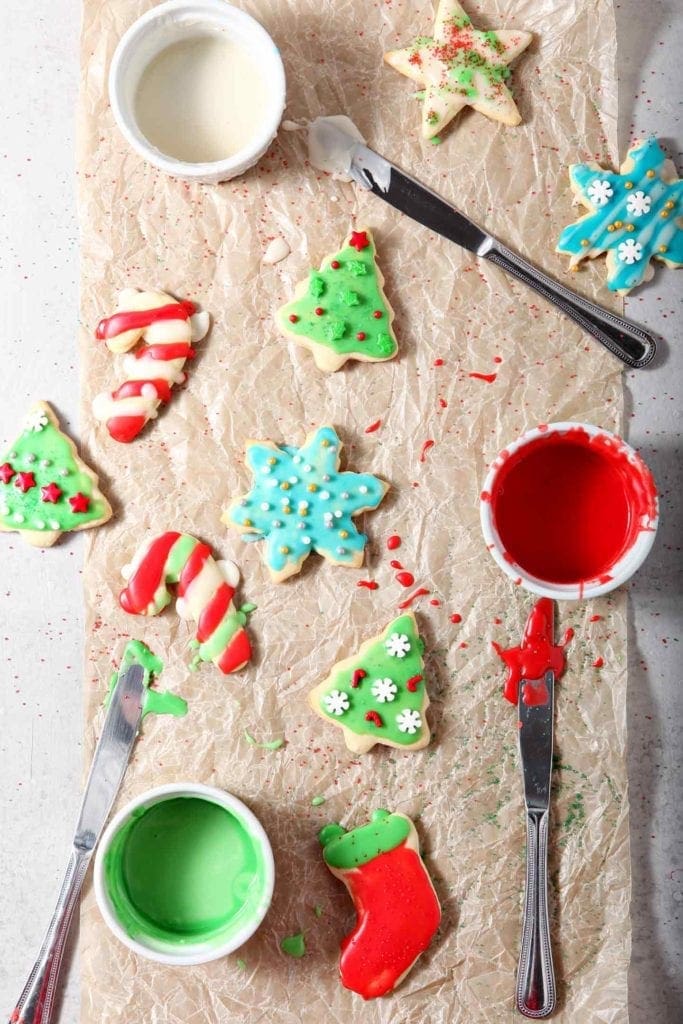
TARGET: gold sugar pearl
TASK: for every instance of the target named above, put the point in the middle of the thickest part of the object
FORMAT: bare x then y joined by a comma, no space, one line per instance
284,486
662,248
628,184
650,174
610,227
312,488
585,242
618,223
664,214
247,522
669,205
284,550
630,227
343,534
287,510
325,443
272,461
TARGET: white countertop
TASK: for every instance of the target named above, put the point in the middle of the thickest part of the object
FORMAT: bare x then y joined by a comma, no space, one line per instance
40,597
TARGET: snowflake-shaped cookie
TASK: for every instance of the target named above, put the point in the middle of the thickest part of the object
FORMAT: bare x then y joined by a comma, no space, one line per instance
409,721
397,645
634,216
384,690
300,502
336,702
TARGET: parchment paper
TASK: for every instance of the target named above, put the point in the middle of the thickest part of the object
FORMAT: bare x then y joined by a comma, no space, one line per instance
206,243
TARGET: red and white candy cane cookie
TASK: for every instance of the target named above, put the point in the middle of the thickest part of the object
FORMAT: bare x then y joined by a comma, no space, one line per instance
169,329
205,589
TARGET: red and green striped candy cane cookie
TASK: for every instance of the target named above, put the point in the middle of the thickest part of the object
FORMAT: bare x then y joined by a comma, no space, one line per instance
205,589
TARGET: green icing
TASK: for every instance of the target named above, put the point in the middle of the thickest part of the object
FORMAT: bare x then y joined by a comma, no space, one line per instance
348,850
318,801
348,295
155,703
268,745
41,449
378,664
294,945
185,871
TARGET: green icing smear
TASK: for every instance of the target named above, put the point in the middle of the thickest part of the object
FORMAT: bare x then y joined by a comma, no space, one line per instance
318,801
154,703
378,664
269,745
43,450
349,296
294,945
185,871
347,850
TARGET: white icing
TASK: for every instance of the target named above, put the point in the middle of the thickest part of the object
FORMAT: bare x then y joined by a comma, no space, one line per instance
332,142
161,369
199,326
276,250
105,407
229,571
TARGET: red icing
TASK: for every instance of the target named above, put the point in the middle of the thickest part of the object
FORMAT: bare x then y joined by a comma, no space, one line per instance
537,654
420,592
51,493
393,542
358,675
425,448
138,597
79,502
237,653
6,472
595,618
598,663
373,427
359,240
412,683
374,717
568,506
406,579
192,567
214,611
438,362
24,482
456,617
395,564
136,320
368,584
487,377
397,914
179,350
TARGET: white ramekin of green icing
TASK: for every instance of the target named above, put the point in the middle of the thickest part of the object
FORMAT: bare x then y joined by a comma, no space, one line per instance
184,874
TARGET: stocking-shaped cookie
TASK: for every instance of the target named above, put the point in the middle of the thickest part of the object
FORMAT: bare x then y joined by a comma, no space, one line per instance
396,906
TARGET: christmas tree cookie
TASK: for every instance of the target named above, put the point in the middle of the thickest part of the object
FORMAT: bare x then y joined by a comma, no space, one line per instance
300,502
397,910
459,66
379,695
634,216
45,488
340,311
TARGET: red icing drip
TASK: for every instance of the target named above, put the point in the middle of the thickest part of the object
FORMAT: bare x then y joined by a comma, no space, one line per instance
425,448
406,579
214,611
456,617
397,914
358,675
413,597
374,717
138,597
395,564
136,320
368,584
443,403
412,683
598,663
536,654
568,506
393,542
487,377
373,427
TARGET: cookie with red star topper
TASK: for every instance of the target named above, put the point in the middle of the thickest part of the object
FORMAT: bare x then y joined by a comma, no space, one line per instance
340,311
45,487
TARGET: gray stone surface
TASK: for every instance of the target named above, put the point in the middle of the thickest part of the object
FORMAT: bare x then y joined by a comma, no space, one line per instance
40,597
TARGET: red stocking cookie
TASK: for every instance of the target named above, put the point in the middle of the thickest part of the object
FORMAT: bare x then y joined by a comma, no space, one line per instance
205,589
396,906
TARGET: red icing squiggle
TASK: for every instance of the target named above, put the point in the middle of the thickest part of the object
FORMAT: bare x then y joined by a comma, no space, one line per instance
137,319
420,592
368,584
536,655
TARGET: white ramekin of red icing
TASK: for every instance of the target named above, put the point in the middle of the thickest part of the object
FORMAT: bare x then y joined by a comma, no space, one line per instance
569,511
197,88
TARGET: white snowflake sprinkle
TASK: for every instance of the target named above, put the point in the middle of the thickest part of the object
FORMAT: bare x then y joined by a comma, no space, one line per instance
336,702
384,690
600,192
630,251
35,420
409,721
397,645
638,203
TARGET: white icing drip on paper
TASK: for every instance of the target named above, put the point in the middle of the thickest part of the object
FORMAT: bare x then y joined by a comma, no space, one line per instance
276,250
331,144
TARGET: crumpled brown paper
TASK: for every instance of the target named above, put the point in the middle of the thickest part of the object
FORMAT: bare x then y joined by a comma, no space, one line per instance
206,243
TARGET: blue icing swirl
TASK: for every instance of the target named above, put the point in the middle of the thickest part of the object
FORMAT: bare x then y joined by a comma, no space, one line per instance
300,502
634,217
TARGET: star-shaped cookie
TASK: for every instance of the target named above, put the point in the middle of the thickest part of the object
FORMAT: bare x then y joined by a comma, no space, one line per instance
300,502
461,66
634,216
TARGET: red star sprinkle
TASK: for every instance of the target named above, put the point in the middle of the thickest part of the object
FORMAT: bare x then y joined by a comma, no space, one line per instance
6,472
51,493
79,503
24,482
359,240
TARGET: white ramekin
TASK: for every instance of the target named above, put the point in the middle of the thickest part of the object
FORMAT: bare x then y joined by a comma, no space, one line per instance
188,956
627,565
167,24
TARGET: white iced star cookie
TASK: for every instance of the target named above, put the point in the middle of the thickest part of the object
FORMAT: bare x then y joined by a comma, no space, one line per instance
461,66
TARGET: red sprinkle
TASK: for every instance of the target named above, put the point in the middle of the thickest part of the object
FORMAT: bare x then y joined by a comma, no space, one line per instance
318,310
293,318
425,448
393,542
411,684
406,579
373,427
377,313
456,617
361,335
487,377
443,403
335,264
420,592
598,663
435,601
359,674
368,584
498,359
372,716
438,362
595,618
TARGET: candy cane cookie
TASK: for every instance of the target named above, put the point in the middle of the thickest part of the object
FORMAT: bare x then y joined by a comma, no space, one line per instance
169,329
205,589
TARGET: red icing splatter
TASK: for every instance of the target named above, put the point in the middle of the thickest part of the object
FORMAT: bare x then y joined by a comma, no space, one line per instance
438,362
598,663
537,652
412,683
435,601
420,592
443,403
395,564
359,240
374,717
456,617
488,378
406,579
357,677
393,542
497,359
425,448
373,427
368,584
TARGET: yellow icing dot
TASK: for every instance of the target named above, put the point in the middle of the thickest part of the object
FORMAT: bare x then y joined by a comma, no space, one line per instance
272,461
630,227
284,550
662,248
584,242
312,488
650,174
343,534
628,184
284,486
247,522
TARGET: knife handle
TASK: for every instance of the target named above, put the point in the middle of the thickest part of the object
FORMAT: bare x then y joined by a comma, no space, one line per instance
535,974
625,340
36,1002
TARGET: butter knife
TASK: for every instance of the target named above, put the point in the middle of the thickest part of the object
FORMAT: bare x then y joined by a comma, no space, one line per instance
535,996
628,342
121,725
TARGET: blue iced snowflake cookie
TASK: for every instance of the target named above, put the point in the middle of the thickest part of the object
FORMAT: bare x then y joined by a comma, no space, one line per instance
634,216
300,502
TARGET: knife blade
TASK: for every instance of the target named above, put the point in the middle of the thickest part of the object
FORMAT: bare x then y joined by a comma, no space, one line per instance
36,1002
624,339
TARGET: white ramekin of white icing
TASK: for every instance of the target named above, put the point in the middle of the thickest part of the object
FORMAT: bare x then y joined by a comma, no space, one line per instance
197,88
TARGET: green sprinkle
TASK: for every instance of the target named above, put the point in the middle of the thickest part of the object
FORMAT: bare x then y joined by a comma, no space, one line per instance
334,330
350,298
435,140
269,745
317,801
294,945
316,285
357,268
248,608
241,963
318,910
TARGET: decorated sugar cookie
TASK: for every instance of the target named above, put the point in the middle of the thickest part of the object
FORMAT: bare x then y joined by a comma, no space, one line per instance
634,216
459,66
45,488
205,589
379,695
397,909
340,312
169,329
300,502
